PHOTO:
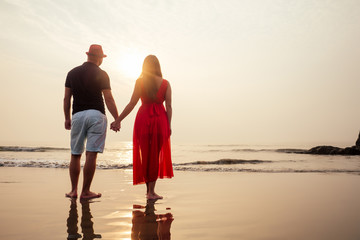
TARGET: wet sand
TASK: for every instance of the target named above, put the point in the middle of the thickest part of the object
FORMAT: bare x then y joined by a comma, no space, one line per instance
196,205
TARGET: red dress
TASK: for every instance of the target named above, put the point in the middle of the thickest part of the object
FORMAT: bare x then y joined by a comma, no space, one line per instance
151,139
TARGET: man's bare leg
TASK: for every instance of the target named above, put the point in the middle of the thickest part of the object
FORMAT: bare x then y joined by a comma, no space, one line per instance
74,171
89,171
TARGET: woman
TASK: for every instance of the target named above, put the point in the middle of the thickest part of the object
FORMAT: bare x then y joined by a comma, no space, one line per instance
152,128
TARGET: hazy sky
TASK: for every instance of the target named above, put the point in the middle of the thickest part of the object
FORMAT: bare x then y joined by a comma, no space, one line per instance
242,72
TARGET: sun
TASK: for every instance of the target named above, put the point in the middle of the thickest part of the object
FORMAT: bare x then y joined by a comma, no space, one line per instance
130,64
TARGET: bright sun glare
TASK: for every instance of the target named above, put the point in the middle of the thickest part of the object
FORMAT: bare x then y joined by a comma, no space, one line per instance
130,64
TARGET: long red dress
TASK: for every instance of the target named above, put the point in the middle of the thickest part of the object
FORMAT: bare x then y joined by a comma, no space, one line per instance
151,139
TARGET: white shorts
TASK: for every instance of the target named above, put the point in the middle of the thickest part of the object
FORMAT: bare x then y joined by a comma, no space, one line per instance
89,125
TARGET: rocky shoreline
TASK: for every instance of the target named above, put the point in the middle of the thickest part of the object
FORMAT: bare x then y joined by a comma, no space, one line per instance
331,150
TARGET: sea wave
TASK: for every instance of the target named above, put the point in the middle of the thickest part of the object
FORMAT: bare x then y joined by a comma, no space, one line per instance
252,150
57,164
30,149
224,162
127,148
251,170
198,166
49,164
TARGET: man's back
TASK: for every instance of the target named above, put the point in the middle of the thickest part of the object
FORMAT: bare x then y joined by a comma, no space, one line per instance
87,82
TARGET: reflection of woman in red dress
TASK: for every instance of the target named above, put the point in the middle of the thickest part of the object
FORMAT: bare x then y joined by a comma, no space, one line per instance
152,128
148,225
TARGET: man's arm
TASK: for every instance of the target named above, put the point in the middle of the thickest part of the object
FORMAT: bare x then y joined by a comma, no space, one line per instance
67,105
110,103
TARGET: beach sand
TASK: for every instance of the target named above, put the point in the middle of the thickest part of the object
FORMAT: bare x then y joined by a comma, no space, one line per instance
196,205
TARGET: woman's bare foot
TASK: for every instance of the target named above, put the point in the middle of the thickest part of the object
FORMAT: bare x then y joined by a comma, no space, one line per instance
153,196
90,195
72,194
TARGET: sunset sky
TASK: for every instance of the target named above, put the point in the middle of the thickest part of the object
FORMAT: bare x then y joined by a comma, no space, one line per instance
242,71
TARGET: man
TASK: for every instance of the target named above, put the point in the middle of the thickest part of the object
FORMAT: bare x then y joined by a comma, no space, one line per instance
87,84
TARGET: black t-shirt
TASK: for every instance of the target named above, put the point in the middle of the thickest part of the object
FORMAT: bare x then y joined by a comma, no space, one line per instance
87,82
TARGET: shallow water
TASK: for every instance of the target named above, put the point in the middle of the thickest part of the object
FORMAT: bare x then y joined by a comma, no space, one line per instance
196,205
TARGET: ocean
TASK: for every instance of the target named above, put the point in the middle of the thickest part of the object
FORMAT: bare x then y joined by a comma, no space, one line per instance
192,157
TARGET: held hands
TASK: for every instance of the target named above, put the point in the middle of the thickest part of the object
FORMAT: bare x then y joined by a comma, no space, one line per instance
115,126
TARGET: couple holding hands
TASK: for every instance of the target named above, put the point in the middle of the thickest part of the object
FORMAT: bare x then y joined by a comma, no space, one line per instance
89,86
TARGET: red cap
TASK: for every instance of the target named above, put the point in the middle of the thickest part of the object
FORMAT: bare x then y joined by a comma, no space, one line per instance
96,50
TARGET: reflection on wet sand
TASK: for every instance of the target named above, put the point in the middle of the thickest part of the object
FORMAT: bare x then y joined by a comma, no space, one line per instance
148,225
87,226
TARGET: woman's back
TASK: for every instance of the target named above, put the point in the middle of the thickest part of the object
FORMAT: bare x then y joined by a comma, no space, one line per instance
154,91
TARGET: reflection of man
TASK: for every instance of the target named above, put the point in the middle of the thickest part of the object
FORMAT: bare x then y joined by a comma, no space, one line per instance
72,222
86,223
87,226
87,84
148,225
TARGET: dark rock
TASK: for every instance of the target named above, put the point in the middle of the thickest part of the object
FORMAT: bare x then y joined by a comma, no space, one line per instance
357,144
354,150
330,150
326,150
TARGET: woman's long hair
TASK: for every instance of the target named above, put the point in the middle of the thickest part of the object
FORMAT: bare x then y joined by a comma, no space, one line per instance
150,71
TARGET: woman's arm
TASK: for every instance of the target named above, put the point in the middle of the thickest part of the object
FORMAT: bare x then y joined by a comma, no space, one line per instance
168,105
129,107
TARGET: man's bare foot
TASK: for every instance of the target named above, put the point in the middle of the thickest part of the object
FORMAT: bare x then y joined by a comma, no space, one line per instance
153,196
90,195
71,194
